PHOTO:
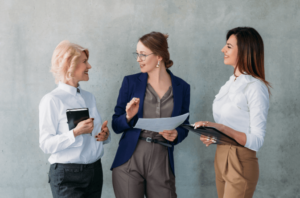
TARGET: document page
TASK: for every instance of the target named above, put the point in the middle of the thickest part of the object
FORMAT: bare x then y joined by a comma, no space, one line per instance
160,124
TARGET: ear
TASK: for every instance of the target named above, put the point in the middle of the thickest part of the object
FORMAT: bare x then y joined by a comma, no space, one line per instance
159,58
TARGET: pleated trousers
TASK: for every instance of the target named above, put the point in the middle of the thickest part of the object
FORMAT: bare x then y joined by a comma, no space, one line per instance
146,173
237,171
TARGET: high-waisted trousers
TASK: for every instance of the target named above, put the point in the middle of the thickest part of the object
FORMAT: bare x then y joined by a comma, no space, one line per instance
146,173
236,170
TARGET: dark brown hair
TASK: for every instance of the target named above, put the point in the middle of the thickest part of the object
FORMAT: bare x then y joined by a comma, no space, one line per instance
250,52
158,44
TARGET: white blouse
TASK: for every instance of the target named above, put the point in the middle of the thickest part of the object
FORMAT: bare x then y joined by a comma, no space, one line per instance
56,138
243,106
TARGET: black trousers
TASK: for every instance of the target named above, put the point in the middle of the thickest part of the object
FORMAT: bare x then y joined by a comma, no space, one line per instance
76,180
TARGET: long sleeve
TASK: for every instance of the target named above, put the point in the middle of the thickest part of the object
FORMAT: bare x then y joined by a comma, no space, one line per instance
119,122
51,142
258,103
182,133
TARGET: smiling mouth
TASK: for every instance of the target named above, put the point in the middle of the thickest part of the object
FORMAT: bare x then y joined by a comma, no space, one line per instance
142,65
86,72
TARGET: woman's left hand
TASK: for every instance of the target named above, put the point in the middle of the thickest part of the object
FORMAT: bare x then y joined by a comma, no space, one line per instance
170,135
104,133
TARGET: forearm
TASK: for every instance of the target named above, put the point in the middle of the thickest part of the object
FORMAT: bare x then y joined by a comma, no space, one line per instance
54,143
240,137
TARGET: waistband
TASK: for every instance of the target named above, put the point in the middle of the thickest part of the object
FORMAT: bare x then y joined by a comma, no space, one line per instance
77,166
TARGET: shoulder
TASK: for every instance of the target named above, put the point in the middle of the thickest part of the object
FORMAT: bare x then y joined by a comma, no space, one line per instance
256,89
134,77
256,85
51,98
180,81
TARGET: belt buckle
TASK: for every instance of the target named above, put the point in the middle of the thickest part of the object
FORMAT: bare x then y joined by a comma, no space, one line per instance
149,139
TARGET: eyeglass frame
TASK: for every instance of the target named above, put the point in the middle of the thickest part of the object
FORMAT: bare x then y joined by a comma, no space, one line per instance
143,55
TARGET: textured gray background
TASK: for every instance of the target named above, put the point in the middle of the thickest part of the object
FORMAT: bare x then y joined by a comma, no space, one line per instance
31,29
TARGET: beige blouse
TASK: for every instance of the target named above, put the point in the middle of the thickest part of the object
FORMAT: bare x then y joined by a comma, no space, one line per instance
154,107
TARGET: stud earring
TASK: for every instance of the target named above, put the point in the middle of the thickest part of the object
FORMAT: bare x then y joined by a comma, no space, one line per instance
157,64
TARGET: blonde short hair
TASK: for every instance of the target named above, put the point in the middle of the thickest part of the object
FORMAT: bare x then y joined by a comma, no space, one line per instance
65,59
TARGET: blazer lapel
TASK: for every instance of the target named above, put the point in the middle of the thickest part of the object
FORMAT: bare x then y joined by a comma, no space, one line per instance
177,94
140,92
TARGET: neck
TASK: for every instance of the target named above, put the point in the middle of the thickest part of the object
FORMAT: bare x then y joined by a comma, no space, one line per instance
158,75
237,73
72,83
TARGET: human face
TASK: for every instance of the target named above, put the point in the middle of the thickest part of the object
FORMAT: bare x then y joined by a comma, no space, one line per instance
149,64
81,71
230,51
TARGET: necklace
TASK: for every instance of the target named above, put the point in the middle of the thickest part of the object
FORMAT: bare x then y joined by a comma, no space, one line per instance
235,77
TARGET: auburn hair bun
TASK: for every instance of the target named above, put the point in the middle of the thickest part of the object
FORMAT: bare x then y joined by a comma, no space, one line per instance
158,44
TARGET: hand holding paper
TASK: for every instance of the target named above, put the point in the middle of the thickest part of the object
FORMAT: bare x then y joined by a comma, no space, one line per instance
170,135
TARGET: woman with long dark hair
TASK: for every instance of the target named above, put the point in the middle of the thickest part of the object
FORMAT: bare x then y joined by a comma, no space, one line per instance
240,111
144,163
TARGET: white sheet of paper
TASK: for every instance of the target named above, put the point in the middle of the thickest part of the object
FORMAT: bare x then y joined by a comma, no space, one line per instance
160,124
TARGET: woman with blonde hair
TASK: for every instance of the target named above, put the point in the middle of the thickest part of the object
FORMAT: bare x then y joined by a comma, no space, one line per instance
240,111
75,159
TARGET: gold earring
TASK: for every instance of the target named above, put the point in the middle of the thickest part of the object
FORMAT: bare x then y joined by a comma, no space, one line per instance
157,64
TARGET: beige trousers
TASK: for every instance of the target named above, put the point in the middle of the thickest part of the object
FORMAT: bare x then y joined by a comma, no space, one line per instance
147,173
236,170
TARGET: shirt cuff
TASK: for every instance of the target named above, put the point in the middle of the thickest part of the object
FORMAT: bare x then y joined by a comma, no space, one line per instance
251,142
75,141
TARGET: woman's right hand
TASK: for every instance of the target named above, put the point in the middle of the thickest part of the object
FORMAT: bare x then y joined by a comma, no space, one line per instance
132,108
84,127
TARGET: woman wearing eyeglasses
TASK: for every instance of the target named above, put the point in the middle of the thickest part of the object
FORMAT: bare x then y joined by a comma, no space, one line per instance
144,163
240,111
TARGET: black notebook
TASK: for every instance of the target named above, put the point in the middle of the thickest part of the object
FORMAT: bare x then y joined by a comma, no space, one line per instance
75,116
211,132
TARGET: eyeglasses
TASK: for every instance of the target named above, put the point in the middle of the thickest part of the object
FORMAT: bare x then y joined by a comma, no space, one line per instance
141,56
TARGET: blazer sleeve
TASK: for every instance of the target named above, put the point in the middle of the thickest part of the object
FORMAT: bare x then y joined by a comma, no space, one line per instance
119,122
182,133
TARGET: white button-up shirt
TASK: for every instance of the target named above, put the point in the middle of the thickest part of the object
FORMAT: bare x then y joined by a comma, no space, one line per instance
56,138
243,106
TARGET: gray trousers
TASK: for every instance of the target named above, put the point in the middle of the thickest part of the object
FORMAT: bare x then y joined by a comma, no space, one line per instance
76,180
147,173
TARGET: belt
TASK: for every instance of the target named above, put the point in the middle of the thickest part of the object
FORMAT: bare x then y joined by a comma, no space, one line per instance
150,140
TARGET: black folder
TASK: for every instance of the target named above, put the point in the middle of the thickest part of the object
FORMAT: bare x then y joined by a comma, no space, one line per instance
213,133
75,116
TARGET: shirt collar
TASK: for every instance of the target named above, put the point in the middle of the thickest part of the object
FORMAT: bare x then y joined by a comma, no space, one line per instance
68,88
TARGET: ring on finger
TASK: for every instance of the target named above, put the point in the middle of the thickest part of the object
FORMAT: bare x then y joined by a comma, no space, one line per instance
208,138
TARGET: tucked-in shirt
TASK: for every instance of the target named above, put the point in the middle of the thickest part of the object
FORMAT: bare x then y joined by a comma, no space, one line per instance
154,107
243,105
56,138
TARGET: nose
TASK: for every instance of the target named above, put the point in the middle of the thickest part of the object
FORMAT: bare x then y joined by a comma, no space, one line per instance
223,49
89,66
138,59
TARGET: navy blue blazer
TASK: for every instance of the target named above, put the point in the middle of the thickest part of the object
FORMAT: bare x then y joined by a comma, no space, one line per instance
135,86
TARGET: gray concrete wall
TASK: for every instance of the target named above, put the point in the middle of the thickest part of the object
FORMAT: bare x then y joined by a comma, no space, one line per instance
30,30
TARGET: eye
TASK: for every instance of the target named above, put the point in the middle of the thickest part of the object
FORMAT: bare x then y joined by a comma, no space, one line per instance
143,55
